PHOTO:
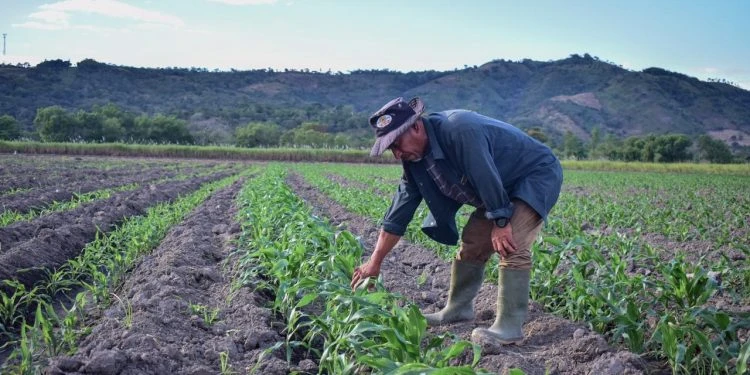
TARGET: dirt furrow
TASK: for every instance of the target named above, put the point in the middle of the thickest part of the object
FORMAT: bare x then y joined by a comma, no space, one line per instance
40,198
167,333
552,344
37,171
28,249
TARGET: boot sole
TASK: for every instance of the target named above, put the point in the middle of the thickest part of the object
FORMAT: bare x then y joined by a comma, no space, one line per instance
482,335
437,322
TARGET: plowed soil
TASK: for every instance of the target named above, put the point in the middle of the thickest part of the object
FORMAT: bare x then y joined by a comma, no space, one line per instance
28,249
33,171
165,336
64,190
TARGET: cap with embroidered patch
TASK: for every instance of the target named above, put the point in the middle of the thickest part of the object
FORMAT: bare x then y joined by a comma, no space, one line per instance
392,120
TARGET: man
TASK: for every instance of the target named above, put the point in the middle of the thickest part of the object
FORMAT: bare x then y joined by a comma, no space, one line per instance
460,157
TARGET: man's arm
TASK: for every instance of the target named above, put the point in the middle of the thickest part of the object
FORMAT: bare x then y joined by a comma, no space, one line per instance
397,218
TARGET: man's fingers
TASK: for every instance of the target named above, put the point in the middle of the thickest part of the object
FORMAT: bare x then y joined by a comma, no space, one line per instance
355,278
512,244
500,248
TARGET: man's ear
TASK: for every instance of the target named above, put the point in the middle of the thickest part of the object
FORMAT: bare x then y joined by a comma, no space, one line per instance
419,126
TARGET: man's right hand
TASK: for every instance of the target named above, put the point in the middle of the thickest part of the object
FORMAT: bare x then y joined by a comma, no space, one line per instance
369,269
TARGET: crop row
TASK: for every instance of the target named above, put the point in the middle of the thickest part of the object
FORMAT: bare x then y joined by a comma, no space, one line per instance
21,181
44,205
26,172
595,263
307,266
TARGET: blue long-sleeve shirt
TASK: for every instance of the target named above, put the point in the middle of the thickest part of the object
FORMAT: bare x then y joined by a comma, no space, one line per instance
498,161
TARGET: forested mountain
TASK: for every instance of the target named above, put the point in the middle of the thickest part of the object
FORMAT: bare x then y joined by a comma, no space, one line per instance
573,95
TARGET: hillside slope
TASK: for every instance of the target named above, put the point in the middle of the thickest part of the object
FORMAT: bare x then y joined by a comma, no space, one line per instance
574,94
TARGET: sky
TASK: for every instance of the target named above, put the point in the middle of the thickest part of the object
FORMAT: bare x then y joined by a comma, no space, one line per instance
700,38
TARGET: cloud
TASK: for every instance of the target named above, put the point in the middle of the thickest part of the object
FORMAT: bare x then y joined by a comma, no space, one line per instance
244,2
57,15
51,17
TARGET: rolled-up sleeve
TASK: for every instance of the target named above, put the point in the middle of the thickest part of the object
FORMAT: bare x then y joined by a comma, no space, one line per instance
474,158
404,204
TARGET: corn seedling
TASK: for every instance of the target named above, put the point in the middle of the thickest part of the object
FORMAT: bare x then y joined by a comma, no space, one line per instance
224,367
127,308
209,315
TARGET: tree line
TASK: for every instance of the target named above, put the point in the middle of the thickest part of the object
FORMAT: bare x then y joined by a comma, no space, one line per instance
665,148
109,123
106,123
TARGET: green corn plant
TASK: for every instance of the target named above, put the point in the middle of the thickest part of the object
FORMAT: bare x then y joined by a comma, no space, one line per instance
209,315
127,307
14,305
45,321
743,359
308,266
224,367
686,290
22,360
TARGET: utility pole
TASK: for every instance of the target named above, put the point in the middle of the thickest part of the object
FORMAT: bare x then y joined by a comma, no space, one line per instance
4,34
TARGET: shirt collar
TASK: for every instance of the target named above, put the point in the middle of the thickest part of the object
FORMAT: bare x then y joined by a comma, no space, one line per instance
435,149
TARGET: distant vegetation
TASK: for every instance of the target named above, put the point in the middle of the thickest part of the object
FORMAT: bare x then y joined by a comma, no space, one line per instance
582,107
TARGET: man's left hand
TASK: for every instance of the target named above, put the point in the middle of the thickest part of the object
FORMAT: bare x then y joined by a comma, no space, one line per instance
502,240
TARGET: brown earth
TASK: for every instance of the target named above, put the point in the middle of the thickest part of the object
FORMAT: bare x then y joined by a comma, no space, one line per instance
552,345
164,336
32,171
63,190
358,185
28,249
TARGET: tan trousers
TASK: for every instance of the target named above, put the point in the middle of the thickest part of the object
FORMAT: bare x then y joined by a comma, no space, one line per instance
476,243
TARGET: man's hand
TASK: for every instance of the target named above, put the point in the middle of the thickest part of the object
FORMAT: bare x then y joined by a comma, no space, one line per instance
369,269
502,240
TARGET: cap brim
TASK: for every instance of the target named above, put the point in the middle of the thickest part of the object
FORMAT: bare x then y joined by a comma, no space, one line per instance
382,143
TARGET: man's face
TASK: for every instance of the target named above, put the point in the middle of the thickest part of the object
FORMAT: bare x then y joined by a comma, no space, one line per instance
411,145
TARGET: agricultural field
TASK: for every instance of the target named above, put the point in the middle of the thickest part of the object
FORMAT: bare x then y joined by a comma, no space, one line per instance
156,266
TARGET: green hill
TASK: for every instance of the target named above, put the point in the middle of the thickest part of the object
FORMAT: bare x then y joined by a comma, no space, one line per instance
575,94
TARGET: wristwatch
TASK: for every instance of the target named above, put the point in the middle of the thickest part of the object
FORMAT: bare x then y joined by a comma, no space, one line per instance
502,222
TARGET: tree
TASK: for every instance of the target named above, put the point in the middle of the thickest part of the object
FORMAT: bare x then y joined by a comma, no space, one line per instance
90,126
54,124
257,134
538,134
112,130
671,148
56,64
572,146
596,138
118,125
713,150
9,127
90,65
611,148
169,129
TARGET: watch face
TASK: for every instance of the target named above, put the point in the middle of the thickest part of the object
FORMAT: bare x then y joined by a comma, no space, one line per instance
501,222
